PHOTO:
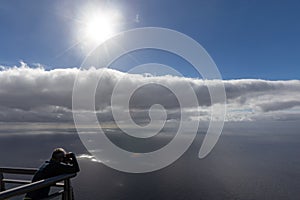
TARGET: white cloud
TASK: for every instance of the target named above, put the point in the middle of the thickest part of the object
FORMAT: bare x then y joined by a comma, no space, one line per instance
34,94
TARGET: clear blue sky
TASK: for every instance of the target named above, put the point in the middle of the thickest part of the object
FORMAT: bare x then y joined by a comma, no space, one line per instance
246,39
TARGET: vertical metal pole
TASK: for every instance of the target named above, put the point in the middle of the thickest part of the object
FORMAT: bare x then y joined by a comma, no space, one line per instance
2,184
67,190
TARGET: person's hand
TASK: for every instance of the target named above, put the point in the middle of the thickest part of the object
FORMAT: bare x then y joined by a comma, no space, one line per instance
71,154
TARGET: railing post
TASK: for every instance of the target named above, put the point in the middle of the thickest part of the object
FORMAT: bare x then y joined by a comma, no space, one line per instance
67,190
2,184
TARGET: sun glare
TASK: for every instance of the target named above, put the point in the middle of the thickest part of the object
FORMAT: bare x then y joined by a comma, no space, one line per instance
99,27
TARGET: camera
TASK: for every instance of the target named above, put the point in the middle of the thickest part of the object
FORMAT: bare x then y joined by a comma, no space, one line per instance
68,158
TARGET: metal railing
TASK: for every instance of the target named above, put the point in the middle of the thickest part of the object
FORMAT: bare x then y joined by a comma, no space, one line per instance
28,186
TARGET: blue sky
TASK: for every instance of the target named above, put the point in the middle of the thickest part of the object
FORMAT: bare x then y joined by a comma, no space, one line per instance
246,39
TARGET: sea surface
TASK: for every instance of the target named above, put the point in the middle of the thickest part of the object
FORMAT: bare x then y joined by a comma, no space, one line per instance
250,161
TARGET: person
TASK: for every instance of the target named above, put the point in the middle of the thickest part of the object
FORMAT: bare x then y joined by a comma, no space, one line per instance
60,163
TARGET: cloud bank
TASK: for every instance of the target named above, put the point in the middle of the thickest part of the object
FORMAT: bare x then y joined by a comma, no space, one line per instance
36,95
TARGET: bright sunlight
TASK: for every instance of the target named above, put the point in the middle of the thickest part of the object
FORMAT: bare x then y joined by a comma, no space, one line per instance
100,26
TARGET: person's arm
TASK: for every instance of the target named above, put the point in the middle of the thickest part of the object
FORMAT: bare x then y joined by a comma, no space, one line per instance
74,162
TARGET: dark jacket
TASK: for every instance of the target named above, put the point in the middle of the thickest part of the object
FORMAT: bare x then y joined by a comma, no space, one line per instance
51,169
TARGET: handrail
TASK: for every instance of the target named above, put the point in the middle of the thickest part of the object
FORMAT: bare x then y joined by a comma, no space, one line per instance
15,170
34,186
18,181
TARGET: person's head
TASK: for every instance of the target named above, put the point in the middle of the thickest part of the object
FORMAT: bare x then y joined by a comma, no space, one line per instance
58,155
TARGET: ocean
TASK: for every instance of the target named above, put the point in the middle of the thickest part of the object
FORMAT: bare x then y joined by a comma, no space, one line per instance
250,161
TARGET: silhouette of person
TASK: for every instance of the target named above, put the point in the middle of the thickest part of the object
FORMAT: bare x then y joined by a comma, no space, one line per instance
60,163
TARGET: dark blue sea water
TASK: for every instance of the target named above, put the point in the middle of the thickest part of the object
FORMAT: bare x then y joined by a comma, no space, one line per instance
250,161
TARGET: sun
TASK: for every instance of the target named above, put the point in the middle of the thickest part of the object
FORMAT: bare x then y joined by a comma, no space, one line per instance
100,26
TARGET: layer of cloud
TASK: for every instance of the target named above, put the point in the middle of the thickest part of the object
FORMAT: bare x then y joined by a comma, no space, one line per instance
34,94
